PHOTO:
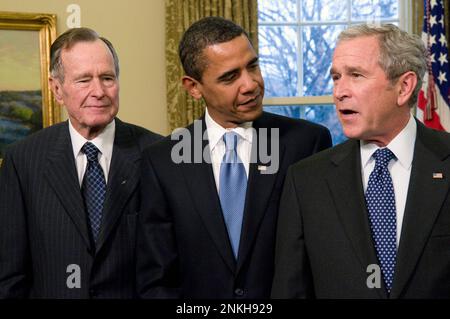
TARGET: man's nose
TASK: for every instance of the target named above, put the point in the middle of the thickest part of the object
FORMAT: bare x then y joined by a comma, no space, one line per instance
249,83
341,89
97,88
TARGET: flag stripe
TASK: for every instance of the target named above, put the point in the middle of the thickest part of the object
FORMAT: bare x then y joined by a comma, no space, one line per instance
435,91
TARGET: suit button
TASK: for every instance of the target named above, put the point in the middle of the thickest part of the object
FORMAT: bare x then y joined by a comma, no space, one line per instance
239,292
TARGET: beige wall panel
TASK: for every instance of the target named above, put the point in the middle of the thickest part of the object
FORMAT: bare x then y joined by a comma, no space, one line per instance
136,28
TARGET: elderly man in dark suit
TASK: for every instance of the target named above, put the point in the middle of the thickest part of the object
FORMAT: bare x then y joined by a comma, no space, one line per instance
69,194
370,218
208,230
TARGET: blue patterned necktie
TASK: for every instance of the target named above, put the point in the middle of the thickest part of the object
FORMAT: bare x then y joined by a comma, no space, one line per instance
94,188
380,200
232,190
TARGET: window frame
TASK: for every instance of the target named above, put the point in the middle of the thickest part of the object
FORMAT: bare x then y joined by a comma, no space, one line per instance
404,21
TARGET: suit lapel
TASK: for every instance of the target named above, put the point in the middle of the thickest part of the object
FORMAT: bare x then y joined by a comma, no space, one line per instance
259,190
122,181
424,201
345,184
60,172
205,197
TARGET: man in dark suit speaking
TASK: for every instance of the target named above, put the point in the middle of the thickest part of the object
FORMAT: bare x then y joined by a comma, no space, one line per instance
69,193
370,218
208,230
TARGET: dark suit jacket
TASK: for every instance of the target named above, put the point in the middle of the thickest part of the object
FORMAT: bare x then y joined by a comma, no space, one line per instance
183,245
324,242
43,225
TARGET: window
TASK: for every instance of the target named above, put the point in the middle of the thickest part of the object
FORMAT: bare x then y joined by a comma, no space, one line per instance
296,43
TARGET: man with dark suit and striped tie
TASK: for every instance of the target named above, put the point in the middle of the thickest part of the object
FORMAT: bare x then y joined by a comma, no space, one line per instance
69,194
370,218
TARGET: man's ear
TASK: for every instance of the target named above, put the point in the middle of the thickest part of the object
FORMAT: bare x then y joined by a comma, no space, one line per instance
55,86
406,85
192,86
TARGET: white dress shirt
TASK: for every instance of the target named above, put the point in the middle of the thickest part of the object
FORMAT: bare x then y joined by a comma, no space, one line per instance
104,142
217,145
403,148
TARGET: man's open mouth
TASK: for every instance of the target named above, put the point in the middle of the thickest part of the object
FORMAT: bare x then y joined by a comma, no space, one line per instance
347,112
248,101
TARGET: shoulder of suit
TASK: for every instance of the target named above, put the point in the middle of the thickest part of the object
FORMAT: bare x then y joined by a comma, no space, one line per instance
138,130
436,141
140,135
35,147
45,136
298,129
167,142
321,160
160,148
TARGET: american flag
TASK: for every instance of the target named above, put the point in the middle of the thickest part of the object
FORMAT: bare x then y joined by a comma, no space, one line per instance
433,107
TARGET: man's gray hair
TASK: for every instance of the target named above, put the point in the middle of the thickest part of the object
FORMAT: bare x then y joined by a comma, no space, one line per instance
400,51
67,40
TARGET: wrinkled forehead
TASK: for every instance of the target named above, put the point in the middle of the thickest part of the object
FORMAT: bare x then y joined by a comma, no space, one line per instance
364,46
359,53
95,48
229,48
234,53
86,57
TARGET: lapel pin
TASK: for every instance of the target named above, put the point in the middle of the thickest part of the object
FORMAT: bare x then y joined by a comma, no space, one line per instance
438,175
262,168
124,182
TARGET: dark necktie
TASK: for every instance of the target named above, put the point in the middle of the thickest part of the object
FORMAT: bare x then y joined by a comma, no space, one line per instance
94,188
232,190
380,200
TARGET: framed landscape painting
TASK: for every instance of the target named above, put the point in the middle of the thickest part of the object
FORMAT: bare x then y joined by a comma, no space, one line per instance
26,102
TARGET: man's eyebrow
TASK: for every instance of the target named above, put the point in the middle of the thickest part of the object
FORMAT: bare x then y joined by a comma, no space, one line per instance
82,75
108,73
89,75
253,61
354,69
227,74
347,69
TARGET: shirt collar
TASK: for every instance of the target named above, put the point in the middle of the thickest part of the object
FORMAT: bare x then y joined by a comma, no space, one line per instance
402,146
216,131
104,141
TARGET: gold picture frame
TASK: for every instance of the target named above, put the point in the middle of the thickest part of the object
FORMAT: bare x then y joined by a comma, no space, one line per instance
45,26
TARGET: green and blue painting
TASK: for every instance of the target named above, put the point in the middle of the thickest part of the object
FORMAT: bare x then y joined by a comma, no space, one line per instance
20,86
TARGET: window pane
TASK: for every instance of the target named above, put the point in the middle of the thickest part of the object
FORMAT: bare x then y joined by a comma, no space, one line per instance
294,111
324,10
278,60
374,10
326,115
277,10
318,45
322,114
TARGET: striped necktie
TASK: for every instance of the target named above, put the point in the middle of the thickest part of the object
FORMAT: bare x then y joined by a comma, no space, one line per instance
93,188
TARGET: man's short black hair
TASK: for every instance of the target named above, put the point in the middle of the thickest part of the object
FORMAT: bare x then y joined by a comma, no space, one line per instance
201,34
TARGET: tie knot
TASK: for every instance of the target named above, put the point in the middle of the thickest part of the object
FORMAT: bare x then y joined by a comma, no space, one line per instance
91,151
382,157
230,139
